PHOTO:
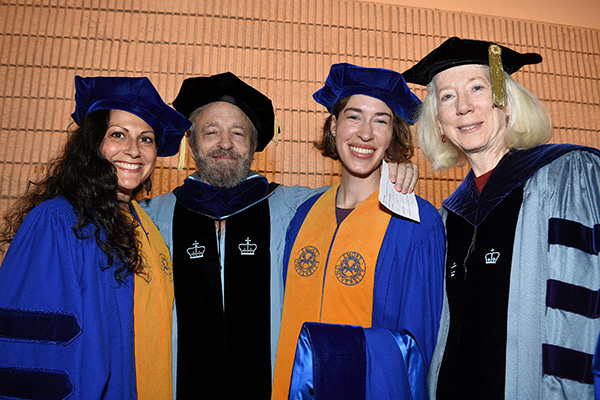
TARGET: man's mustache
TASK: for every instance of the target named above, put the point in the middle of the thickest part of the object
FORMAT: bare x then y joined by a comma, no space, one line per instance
224,153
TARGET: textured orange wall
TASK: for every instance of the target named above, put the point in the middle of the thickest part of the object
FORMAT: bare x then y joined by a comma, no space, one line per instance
283,48
581,13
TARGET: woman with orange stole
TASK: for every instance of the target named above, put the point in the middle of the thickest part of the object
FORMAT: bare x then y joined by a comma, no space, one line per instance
86,284
363,285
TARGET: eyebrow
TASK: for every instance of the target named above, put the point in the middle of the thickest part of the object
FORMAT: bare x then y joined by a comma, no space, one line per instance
448,87
217,124
127,130
210,124
485,78
361,111
241,126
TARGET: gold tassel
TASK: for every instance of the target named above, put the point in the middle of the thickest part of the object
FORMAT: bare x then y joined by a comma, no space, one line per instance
276,133
182,150
497,75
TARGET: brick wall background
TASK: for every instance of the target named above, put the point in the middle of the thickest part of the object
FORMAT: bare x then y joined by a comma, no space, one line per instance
282,48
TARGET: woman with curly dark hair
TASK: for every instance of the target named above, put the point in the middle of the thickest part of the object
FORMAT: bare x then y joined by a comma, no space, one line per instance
352,264
86,291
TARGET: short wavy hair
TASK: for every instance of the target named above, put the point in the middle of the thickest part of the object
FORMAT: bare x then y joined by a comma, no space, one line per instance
528,125
401,148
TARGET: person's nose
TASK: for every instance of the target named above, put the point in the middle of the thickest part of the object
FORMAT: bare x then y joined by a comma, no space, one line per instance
225,141
463,105
365,132
133,148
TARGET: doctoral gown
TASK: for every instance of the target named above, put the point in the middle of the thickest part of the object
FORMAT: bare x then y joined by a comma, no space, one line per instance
66,324
212,272
392,319
520,319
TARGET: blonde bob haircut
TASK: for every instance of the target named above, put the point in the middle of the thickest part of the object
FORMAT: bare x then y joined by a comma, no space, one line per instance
528,125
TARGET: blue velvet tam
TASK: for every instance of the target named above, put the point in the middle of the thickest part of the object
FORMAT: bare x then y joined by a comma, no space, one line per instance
200,91
345,80
456,51
137,96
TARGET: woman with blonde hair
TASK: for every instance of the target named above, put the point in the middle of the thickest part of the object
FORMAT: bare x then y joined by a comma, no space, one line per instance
522,265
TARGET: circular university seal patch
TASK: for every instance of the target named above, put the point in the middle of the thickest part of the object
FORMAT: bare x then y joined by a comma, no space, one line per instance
350,268
307,261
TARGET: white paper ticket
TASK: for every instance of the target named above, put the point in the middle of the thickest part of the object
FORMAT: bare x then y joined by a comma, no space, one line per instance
404,205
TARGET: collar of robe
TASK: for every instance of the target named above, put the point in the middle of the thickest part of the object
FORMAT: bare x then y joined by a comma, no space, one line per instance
220,203
511,172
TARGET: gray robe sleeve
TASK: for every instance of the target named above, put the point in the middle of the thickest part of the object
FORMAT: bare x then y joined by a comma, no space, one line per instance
566,190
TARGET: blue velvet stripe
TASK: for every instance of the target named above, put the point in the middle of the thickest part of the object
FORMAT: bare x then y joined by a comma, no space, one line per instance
573,234
31,383
568,364
38,326
572,298
339,361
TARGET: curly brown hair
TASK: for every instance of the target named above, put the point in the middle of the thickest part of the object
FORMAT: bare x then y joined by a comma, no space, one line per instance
400,150
89,182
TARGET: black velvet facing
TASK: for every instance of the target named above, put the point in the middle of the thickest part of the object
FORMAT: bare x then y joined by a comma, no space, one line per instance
477,280
223,353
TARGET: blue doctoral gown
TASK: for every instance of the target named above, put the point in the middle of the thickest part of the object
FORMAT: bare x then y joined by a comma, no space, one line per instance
393,355
66,324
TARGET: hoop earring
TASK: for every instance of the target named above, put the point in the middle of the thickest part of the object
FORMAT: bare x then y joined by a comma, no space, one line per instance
444,140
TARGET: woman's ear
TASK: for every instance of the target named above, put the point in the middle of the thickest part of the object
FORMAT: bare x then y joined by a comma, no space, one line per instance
507,110
333,126
439,126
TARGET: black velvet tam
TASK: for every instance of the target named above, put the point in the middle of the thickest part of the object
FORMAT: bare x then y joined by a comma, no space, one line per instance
199,91
456,51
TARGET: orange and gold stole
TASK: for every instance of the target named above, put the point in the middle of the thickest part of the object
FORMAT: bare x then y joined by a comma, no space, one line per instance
330,274
153,313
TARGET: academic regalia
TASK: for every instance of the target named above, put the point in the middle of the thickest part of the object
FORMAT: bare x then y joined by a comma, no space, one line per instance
236,270
153,302
66,324
522,275
596,371
375,270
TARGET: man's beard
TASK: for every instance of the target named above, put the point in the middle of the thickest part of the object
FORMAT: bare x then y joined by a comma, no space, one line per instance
223,174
